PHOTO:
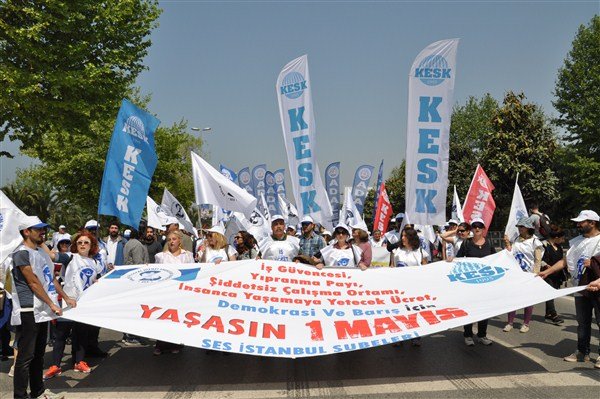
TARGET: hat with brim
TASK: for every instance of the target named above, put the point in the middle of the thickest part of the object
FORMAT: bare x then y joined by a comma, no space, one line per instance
216,229
274,218
65,238
477,220
342,226
31,222
307,219
91,224
586,215
525,222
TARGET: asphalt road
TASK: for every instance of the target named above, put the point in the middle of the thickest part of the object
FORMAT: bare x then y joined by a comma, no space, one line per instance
520,365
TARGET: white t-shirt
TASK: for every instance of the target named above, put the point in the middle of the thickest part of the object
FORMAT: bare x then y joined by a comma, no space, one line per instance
168,257
524,250
337,257
581,248
280,250
213,255
377,244
111,249
403,257
79,274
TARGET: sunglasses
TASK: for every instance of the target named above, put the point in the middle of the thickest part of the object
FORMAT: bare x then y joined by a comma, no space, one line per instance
340,232
477,226
83,242
461,231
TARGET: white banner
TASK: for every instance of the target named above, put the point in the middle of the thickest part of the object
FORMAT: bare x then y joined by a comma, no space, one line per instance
282,309
380,257
172,207
430,96
298,124
10,218
211,187
518,210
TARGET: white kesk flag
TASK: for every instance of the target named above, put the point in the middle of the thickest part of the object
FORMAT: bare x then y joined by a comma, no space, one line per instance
299,134
10,218
264,207
457,213
157,217
430,96
518,210
173,207
288,211
351,215
211,187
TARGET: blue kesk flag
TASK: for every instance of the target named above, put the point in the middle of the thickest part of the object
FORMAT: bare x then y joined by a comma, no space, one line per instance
130,164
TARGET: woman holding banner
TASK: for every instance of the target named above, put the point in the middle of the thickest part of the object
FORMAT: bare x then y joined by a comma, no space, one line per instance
409,252
477,246
217,249
342,253
528,250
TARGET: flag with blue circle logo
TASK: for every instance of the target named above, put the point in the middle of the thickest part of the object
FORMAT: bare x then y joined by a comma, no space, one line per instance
130,164
360,187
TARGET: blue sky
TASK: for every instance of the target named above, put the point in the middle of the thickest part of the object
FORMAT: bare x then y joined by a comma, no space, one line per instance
215,64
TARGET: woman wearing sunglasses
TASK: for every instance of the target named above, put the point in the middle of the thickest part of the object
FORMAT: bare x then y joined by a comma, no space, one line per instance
217,249
77,276
477,246
342,253
455,238
246,246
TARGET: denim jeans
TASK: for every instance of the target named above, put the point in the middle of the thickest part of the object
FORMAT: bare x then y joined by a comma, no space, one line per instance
583,311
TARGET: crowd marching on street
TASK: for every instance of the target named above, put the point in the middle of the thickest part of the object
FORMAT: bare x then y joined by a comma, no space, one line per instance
82,256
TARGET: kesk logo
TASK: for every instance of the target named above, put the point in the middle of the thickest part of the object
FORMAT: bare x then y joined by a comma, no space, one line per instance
293,85
476,273
150,275
135,127
433,70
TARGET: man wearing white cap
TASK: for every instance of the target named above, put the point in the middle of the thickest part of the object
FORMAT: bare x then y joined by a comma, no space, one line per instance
279,246
310,242
582,249
59,235
34,304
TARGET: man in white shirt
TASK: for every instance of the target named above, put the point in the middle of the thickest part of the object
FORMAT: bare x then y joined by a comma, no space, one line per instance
59,235
279,245
377,239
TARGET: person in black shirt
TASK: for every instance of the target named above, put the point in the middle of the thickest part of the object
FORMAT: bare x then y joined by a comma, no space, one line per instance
476,247
553,254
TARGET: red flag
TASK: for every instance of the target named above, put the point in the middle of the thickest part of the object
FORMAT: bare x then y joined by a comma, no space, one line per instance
383,212
479,202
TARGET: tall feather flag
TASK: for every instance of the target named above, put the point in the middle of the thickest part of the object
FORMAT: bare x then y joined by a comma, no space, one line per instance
518,210
10,218
457,212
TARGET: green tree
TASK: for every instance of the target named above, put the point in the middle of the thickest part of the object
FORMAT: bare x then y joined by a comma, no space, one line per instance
66,64
523,142
578,92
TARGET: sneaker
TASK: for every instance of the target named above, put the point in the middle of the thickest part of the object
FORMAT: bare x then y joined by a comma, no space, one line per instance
597,365
485,341
507,328
577,357
11,372
131,342
175,351
53,371
82,367
469,341
524,328
48,394
556,320
157,352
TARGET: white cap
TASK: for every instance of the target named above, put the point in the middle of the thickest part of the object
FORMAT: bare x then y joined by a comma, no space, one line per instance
477,220
342,226
91,224
65,237
326,232
276,217
62,226
452,221
586,215
31,222
360,226
127,233
307,219
399,216
291,226
217,229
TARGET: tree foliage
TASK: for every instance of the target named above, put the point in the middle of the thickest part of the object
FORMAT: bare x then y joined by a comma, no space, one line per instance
67,64
522,141
578,91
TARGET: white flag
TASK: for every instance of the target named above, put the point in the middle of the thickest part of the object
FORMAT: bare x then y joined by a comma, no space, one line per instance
457,213
256,225
10,218
157,217
299,134
351,216
518,210
262,205
173,207
288,211
430,96
211,187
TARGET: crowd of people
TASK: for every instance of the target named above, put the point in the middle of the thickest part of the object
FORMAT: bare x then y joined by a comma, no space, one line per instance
40,291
